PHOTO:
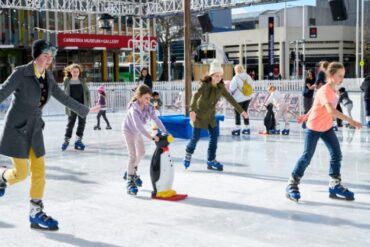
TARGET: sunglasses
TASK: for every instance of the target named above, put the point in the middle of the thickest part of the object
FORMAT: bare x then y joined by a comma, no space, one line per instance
51,49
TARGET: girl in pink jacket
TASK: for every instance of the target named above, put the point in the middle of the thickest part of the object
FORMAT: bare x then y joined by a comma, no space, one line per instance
139,112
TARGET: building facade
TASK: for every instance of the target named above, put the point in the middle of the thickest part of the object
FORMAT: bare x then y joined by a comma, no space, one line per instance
105,54
302,36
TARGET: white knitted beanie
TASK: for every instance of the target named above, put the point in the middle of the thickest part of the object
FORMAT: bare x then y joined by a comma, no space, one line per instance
215,68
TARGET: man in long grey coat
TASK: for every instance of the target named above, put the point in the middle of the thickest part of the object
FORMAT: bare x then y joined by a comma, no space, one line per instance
31,86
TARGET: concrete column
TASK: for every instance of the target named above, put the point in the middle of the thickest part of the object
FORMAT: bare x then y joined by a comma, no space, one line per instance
116,65
119,25
260,61
47,26
89,22
340,51
104,65
286,62
65,27
56,27
1,26
281,59
241,54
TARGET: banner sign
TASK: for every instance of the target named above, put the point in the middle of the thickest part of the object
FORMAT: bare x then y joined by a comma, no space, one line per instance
271,40
106,41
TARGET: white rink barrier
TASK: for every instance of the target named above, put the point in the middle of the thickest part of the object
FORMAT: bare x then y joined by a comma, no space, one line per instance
119,94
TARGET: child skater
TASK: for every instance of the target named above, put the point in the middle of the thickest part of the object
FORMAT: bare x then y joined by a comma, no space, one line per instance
319,125
156,102
103,109
76,87
139,112
203,111
22,139
346,102
281,110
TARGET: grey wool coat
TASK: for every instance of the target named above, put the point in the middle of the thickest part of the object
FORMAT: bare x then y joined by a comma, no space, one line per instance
23,122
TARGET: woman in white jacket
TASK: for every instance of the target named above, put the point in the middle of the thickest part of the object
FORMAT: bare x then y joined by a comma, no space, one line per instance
236,90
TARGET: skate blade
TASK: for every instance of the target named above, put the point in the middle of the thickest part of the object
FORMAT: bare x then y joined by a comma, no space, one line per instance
38,227
291,198
132,193
334,196
215,169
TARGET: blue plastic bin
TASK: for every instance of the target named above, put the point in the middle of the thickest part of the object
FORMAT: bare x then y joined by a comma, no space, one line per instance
179,126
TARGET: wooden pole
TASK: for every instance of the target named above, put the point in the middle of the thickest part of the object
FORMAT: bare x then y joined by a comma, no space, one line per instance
187,55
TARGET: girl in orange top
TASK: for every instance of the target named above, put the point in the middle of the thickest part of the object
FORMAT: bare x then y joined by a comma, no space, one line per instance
319,125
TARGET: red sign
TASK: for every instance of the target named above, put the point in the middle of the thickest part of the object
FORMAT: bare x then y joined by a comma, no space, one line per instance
107,41
313,32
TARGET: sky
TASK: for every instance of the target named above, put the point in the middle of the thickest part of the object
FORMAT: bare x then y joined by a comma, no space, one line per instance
274,6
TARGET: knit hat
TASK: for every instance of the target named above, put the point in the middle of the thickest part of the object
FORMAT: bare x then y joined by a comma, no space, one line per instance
101,89
215,68
41,46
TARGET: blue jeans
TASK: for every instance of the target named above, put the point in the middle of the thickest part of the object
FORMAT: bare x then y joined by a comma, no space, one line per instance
310,143
212,145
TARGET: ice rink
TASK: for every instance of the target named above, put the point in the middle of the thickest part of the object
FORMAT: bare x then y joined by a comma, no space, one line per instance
245,205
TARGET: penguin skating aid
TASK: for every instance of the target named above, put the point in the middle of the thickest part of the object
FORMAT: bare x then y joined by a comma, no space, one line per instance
162,171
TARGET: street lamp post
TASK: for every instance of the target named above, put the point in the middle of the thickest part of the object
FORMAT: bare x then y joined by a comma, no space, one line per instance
187,49
357,40
246,42
303,43
285,52
362,39
296,60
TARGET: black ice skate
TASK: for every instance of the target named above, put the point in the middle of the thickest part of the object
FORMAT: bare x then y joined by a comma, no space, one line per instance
338,191
235,132
215,165
65,143
292,190
79,144
137,179
285,132
2,181
39,220
131,186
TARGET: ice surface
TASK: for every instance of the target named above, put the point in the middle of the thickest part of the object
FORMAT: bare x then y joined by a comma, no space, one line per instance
243,206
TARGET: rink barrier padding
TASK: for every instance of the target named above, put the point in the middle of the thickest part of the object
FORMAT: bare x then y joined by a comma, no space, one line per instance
179,126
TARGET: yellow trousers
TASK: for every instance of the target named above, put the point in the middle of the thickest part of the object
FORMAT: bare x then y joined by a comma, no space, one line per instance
20,172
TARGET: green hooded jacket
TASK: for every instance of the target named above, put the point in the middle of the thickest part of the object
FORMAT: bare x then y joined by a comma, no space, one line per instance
204,101
87,98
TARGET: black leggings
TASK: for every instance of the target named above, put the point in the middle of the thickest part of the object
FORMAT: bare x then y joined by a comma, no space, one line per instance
367,107
71,123
102,113
339,121
244,105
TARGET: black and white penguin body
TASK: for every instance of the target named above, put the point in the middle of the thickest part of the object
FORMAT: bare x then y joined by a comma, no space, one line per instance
162,171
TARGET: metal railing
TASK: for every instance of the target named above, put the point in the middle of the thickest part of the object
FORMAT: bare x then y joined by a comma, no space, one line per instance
119,95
